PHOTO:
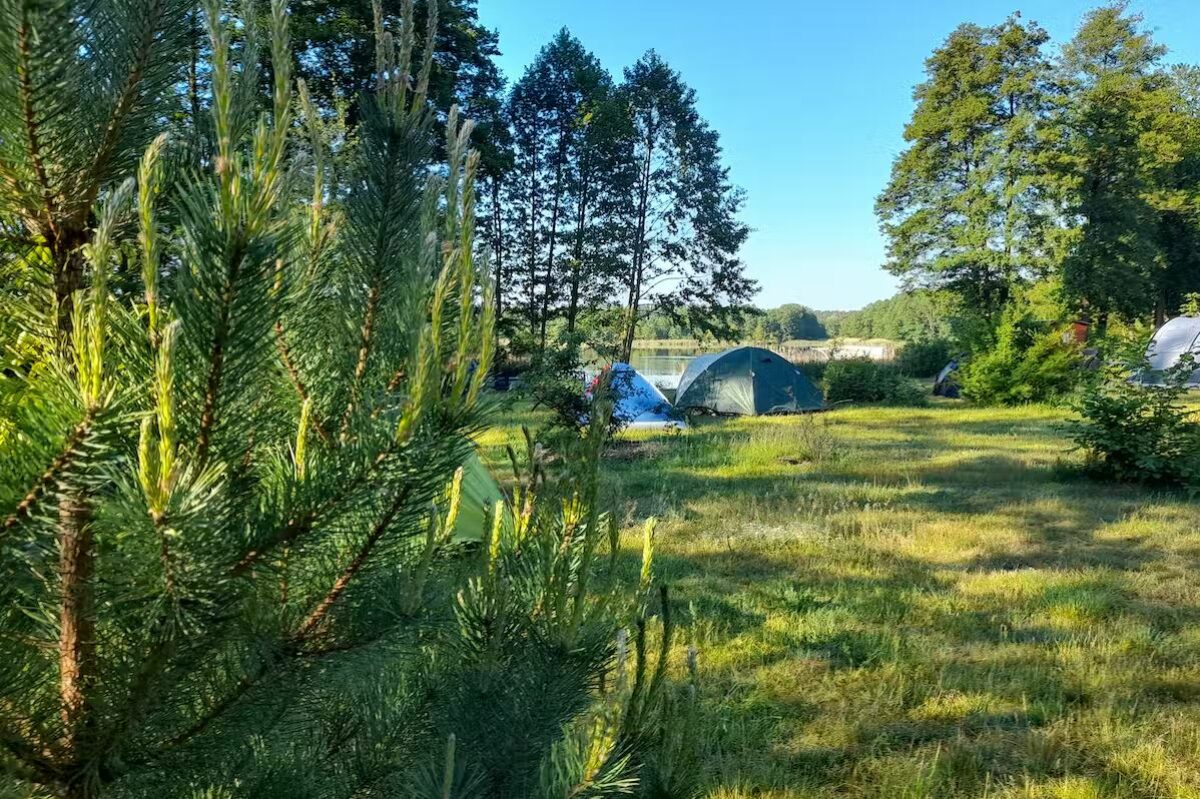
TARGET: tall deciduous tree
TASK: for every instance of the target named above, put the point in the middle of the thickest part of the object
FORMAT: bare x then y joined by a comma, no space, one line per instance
555,110
966,207
681,222
334,56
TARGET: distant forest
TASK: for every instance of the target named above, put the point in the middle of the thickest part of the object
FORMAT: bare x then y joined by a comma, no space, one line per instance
909,316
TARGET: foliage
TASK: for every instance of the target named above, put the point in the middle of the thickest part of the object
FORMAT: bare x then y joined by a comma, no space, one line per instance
924,358
681,255
568,165
865,380
964,209
909,316
1118,94
790,322
332,53
1133,433
555,380
1025,363
227,497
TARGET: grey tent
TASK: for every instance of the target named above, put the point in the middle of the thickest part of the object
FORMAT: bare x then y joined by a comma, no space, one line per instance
746,381
1171,342
946,382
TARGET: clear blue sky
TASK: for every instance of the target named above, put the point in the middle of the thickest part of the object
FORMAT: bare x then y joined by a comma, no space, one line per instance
810,98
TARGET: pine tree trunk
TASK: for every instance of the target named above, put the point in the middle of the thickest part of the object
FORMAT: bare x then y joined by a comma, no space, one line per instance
68,279
577,267
77,631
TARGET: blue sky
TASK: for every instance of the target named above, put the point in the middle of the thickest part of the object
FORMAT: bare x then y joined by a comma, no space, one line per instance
810,98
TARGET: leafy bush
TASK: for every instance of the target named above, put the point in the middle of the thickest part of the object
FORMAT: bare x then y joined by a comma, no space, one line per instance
1138,434
924,358
1025,363
864,380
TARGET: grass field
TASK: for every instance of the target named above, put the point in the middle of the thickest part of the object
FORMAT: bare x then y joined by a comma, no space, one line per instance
905,603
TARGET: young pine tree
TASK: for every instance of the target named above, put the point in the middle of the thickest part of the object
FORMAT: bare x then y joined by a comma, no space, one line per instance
228,499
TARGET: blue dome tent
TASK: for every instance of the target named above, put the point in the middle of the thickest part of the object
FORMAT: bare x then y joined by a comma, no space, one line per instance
639,403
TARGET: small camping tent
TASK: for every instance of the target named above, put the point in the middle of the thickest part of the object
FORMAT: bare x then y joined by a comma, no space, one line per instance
639,403
946,382
1171,342
480,493
746,381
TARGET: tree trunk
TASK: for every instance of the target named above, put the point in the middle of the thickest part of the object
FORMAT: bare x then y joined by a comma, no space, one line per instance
577,255
77,631
557,200
498,254
639,246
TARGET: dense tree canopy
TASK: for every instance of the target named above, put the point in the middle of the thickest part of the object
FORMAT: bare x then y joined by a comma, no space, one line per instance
1078,172
964,207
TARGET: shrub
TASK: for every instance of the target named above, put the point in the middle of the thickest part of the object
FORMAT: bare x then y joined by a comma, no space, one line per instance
864,380
1024,364
1138,434
924,358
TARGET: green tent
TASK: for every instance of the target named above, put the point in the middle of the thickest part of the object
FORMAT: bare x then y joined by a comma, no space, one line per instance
480,492
746,381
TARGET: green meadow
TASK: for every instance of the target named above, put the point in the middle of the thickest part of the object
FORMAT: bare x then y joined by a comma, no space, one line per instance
906,603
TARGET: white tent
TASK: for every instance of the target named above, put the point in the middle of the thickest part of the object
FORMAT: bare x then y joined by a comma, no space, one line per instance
639,402
1172,341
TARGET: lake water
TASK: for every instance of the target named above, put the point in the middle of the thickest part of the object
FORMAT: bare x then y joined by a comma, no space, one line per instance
663,368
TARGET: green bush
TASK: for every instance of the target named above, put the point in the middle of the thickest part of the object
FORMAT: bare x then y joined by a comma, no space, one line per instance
924,358
864,380
814,370
1026,363
1137,434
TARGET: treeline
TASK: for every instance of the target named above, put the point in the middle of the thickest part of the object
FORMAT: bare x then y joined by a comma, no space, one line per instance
1045,183
609,201
788,322
916,316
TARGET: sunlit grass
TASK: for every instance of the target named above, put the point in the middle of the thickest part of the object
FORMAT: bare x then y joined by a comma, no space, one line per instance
922,603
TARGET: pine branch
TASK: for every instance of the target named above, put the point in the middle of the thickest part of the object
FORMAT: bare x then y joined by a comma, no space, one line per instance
29,117
60,464
364,352
19,736
126,99
285,355
298,526
343,581
219,709
217,354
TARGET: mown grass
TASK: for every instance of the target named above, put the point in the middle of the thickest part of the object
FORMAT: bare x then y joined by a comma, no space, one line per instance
904,603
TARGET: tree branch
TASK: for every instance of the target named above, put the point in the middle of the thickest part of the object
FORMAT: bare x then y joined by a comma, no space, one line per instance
125,101
343,581
217,350
364,352
32,129
60,463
